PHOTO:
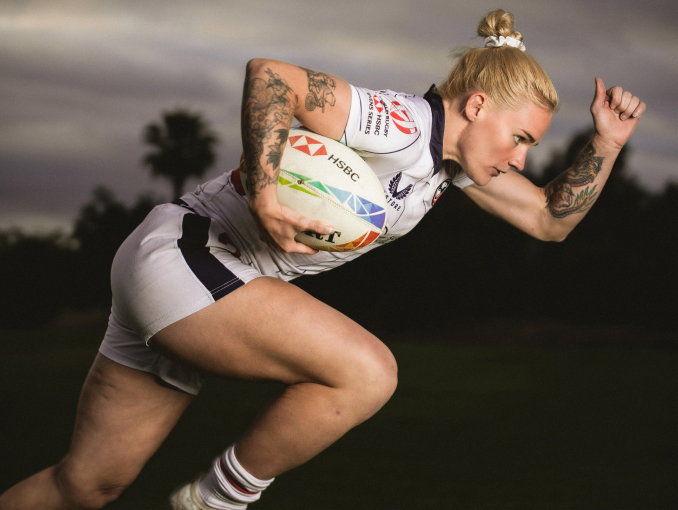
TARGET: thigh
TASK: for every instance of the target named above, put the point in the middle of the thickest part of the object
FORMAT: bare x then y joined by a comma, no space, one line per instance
272,330
123,416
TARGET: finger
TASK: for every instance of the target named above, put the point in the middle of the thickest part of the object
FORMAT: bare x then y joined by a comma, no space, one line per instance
303,224
615,96
302,248
624,102
289,246
297,247
600,89
601,95
320,227
639,110
630,108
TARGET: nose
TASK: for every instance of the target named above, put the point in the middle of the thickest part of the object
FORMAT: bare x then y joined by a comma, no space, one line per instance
517,160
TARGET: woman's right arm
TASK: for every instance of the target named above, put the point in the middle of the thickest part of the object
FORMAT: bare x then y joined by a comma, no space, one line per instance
274,94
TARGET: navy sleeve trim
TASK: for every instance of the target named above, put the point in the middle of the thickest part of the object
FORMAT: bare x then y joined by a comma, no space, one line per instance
360,117
437,127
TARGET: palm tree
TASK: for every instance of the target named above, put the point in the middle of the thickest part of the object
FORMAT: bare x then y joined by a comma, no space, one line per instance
184,147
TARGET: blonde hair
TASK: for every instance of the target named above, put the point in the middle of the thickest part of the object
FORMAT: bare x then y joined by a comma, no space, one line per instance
506,74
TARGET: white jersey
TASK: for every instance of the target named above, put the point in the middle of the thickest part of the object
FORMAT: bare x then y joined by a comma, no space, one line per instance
399,135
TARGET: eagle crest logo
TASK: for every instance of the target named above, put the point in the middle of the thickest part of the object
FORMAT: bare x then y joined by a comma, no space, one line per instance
393,188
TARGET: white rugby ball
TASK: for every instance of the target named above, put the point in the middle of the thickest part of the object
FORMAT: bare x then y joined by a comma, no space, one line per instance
325,180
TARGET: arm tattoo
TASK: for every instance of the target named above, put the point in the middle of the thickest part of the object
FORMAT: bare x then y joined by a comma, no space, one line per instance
266,106
561,197
320,87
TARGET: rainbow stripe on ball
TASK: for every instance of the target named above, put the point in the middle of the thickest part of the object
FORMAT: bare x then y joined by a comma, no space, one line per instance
363,208
374,214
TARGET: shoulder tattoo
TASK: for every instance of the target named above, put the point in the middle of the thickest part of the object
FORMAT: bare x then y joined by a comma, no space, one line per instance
320,90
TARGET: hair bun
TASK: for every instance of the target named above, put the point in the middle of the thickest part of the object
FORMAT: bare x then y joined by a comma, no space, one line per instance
509,77
498,23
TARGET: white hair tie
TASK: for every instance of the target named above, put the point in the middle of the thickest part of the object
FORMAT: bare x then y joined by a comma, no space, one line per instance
497,42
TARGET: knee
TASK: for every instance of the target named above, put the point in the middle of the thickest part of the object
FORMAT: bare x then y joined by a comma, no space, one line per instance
85,490
375,379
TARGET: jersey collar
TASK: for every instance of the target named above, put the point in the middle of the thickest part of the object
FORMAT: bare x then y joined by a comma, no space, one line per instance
437,127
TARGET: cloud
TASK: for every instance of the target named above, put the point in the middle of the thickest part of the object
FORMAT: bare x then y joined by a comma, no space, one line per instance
85,77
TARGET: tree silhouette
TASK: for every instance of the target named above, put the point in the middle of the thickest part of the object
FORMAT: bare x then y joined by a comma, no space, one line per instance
183,147
36,276
101,227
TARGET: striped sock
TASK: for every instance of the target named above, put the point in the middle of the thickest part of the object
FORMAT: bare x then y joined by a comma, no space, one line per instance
228,486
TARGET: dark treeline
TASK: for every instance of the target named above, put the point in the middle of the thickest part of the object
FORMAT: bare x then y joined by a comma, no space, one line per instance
617,267
43,275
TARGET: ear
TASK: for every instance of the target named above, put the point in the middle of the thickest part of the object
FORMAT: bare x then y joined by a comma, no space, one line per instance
474,105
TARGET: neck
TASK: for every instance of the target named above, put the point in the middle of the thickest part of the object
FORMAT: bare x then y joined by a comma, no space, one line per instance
455,122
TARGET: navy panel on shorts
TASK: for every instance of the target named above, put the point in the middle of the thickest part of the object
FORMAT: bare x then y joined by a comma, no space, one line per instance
217,279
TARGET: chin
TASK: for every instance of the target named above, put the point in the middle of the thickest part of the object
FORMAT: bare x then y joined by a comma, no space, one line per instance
481,180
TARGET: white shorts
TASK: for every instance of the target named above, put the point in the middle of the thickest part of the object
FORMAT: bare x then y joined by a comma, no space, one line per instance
171,266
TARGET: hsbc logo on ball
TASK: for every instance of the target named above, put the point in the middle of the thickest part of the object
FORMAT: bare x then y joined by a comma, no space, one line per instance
344,167
312,147
308,145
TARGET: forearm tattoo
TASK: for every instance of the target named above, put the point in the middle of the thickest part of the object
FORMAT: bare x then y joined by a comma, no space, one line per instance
562,199
268,108
320,87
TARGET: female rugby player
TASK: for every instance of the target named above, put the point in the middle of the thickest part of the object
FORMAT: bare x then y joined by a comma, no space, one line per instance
189,297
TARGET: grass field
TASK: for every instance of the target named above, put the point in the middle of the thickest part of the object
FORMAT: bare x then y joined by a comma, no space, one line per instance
525,427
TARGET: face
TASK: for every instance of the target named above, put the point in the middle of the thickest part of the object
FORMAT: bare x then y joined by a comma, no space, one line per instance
496,140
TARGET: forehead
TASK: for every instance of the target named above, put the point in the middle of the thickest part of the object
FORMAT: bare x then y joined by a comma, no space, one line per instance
529,116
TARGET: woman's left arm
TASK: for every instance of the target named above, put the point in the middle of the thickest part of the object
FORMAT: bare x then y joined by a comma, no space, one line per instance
550,213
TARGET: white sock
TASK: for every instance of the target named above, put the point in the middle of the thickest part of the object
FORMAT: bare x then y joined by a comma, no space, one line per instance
228,486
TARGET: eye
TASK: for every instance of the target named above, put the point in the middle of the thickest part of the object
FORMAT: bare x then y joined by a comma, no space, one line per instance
518,139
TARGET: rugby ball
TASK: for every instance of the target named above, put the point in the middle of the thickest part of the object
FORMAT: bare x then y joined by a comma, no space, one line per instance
325,180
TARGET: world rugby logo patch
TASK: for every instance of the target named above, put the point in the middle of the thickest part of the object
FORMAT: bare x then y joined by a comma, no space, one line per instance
402,119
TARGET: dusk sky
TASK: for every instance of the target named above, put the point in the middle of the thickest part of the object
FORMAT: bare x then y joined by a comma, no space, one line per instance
79,79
